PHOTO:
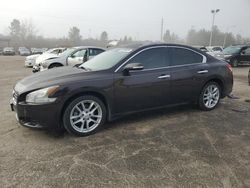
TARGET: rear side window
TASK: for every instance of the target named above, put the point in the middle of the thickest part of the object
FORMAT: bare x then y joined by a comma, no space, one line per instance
94,52
182,56
151,58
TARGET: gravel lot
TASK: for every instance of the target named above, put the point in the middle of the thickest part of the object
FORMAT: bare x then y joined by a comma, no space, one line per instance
180,147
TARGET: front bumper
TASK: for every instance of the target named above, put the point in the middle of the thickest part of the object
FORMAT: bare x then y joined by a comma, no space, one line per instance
29,63
37,116
36,68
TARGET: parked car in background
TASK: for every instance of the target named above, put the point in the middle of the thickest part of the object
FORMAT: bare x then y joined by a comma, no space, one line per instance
236,55
215,49
49,54
204,49
30,61
8,51
71,57
23,51
1,51
118,82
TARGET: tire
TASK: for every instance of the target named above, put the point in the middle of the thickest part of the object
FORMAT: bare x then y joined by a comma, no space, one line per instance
54,65
249,78
81,122
210,96
235,63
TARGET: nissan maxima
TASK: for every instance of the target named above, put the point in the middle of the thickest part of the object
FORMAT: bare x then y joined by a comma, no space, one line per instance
118,82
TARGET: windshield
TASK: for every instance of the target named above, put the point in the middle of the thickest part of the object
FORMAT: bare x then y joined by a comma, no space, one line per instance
106,60
68,52
232,50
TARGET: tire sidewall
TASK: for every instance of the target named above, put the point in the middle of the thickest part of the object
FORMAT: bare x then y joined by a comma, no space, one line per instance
66,115
201,102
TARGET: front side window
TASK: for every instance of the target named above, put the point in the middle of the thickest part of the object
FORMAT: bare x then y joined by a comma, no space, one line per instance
79,53
151,58
182,56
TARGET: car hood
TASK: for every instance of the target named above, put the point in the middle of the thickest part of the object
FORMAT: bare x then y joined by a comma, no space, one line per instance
32,56
57,76
44,57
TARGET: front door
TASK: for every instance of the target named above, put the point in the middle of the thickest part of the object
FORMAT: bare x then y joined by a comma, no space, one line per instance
77,57
245,56
143,89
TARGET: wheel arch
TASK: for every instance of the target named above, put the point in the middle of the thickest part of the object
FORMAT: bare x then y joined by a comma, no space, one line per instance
55,63
82,93
219,81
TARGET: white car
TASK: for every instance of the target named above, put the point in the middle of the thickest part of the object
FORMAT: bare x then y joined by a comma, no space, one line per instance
71,57
50,54
30,61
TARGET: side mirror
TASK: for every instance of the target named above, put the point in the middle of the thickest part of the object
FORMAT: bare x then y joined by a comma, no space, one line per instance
132,67
243,53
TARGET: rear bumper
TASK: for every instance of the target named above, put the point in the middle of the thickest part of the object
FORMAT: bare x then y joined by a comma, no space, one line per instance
37,116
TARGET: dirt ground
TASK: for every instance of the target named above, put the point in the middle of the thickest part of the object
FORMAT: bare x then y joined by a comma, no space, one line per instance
180,147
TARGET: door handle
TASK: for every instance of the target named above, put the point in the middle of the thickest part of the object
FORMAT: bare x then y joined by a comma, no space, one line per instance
164,76
202,72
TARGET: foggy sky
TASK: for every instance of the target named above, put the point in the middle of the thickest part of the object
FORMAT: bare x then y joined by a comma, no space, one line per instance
140,19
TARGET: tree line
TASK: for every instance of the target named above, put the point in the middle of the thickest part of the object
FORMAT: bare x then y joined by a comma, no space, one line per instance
25,33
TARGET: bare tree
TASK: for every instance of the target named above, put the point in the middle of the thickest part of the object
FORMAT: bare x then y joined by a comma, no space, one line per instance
74,36
104,36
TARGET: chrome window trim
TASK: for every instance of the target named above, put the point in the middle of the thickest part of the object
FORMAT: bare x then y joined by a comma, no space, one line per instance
204,60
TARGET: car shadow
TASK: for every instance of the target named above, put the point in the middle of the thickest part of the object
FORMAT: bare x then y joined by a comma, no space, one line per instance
128,120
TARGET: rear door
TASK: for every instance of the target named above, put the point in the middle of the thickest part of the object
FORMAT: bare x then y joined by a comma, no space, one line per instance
94,52
188,71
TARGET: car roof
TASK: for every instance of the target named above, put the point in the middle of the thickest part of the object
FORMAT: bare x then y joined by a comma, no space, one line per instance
241,45
78,47
137,46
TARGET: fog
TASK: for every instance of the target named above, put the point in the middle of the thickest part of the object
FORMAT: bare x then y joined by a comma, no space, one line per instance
140,19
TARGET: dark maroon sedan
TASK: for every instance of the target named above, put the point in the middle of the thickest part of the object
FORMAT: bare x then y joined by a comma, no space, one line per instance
120,81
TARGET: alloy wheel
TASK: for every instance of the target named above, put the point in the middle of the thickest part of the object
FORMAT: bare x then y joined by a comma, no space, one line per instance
85,116
211,96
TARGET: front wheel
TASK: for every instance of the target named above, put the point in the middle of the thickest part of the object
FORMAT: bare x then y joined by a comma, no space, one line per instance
210,96
84,116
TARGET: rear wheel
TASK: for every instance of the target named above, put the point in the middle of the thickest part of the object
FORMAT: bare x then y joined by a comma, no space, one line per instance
84,116
210,96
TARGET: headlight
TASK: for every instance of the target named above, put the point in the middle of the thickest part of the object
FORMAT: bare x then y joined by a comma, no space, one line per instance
44,64
42,95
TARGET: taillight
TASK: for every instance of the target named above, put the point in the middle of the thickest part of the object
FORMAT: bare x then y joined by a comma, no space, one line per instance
229,67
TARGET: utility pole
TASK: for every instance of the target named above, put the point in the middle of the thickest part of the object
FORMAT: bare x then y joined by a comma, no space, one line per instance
162,23
214,12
